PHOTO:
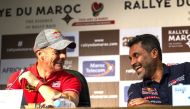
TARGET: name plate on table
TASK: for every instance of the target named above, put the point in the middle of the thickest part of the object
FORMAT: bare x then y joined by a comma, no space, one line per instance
11,99
181,95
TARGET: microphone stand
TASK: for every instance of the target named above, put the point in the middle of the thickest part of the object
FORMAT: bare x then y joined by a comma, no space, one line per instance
21,72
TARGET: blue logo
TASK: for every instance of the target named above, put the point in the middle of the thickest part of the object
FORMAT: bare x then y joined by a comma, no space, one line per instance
71,38
99,68
126,88
180,89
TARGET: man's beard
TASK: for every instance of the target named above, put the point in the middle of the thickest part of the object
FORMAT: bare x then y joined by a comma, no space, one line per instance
141,75
149,71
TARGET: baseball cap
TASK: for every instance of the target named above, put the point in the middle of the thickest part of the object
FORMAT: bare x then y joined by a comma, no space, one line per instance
52,38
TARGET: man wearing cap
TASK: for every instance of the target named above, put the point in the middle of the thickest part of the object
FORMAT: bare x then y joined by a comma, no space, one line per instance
46,80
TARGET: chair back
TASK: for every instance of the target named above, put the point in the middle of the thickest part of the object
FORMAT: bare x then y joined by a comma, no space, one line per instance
84,98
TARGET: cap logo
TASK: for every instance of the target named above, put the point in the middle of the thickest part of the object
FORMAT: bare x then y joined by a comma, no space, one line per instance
56,34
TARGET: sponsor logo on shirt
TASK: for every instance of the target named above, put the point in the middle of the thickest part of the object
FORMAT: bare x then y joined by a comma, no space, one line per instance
151,94
151,97
176,81
56,84
149,91
156,102
30,88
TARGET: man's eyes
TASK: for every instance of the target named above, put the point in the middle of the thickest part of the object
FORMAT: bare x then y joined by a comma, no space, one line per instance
57,52
136,55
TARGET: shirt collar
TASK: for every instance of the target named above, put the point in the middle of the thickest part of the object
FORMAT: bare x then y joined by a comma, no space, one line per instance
165,73
166,69
34,70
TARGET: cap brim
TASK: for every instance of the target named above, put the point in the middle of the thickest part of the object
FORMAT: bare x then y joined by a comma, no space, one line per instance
60,45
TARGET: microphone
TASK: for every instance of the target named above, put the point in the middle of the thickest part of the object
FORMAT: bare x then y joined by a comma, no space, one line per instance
21,72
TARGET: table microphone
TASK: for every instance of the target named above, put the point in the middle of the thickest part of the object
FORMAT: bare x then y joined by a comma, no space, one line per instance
21,72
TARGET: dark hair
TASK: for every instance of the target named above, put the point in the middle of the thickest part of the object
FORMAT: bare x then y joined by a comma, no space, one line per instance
148,41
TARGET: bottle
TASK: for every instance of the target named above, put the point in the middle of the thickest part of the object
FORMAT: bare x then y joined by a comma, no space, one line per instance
61,102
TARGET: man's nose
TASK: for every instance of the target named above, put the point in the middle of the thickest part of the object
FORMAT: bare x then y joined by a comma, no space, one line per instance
133,61
62,55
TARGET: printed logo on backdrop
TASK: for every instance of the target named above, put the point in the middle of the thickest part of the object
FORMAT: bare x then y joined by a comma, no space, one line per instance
68,9
71,63
127,72
125,40
34,13
99,68
17,46
126,88
101,92
72,38
105,42
97,8
176,39
143,4
8,66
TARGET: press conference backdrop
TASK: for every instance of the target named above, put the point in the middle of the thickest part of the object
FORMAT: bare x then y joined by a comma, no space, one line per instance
101,29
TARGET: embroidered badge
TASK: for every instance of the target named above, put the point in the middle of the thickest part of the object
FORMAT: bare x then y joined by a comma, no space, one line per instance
56,84
149,91
30,88
176,81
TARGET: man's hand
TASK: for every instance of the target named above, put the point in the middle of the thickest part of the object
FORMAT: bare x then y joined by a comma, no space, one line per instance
47,103
48,93
31,79
51,94
138,101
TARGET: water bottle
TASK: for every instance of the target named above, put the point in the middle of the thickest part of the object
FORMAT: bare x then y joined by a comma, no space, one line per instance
61,102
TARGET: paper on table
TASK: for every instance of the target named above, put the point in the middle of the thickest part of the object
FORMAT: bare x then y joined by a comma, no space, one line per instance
11,99
181,95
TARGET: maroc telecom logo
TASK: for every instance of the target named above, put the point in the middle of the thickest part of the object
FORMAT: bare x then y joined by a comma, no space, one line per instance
99,68
96,8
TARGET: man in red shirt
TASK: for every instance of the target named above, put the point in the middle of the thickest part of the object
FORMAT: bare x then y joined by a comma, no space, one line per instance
46,80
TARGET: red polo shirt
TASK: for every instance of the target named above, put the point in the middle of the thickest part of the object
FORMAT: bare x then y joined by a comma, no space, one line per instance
61,81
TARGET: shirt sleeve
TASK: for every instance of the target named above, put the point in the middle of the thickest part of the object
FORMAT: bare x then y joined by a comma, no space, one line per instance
187,72
13,82
71,84
134,92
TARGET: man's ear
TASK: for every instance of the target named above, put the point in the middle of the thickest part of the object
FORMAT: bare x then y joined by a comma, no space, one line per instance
154,53
39,55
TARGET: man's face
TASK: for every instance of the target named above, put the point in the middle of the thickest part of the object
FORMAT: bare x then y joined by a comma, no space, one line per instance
142,61
54,59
